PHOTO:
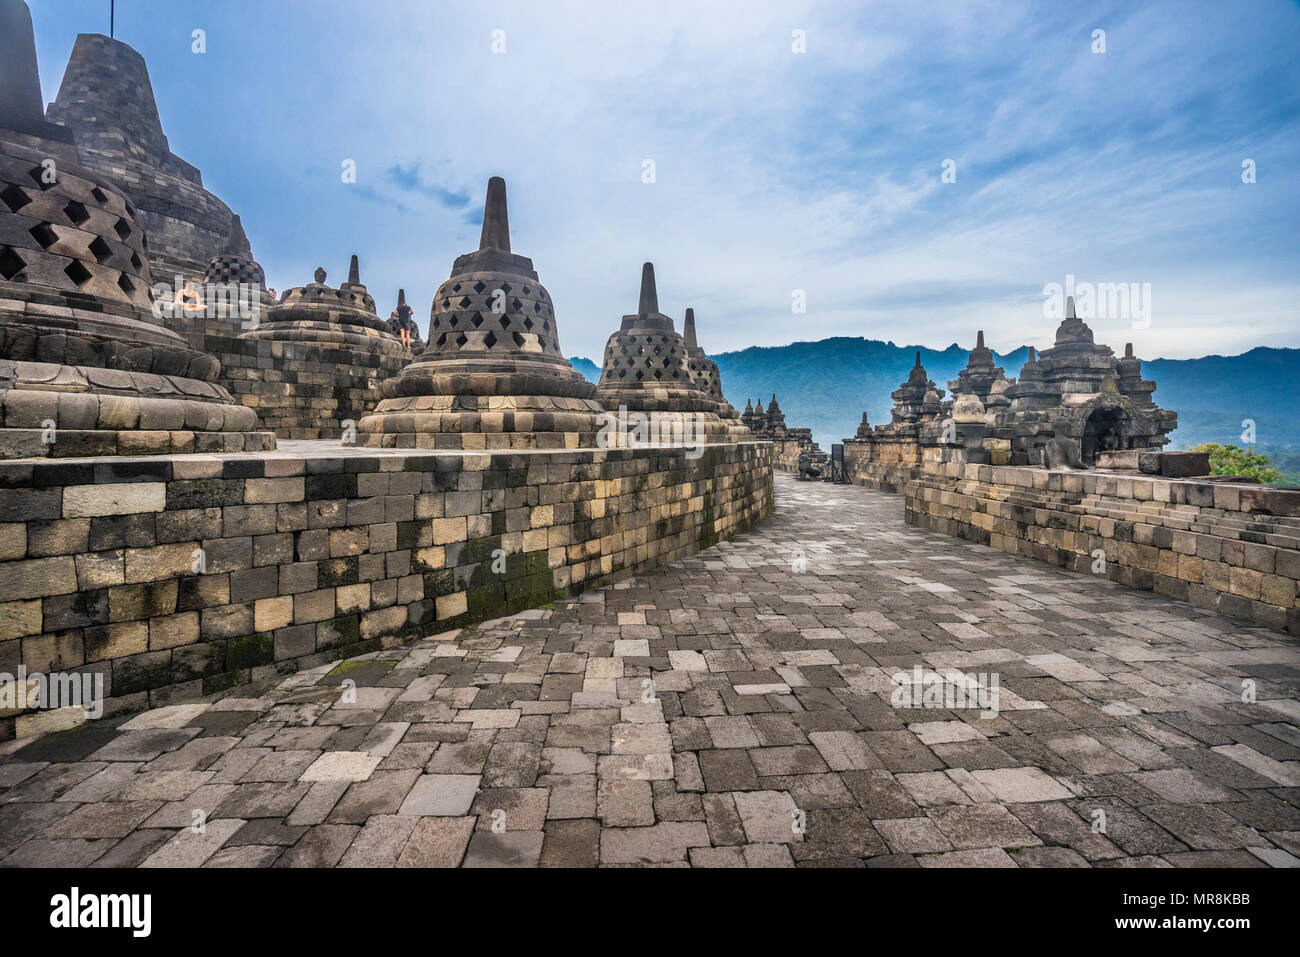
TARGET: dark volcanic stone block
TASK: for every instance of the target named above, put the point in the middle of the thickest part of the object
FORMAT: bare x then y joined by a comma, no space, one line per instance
1184,464
249,651
142,672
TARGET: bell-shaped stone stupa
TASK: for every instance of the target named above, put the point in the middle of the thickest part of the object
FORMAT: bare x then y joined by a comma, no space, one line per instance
492,375
106,100
321,314
231,298
646,369
86,366
980,373
314,363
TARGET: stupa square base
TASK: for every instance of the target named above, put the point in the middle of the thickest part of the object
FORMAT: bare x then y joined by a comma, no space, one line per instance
79,443
52,410
478,422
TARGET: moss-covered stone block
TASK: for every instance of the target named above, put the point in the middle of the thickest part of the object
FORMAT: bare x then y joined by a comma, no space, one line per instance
249,651
142,672
339,631
338,571
439,583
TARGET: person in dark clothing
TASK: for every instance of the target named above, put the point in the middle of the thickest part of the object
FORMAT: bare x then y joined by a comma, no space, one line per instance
402,321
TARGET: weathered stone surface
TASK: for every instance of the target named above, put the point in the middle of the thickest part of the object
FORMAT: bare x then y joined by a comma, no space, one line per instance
1119,740
87,366
492,375
312,363
1241,561
1076,405
647,369
188,573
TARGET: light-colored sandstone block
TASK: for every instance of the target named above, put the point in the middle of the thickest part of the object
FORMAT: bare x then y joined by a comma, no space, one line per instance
126,498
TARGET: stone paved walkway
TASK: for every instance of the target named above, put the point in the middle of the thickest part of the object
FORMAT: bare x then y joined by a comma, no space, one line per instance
768,737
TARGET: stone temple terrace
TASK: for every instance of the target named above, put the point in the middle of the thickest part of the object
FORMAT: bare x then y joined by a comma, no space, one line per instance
362,597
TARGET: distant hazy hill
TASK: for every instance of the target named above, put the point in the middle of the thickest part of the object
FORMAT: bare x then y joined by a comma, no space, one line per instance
826,386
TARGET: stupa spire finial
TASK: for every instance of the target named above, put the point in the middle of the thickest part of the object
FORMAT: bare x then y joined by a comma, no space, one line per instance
20,82
649,304
688,332
354,271
1069,308
496,221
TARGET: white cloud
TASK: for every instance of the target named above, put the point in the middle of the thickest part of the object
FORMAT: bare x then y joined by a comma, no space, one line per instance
775,171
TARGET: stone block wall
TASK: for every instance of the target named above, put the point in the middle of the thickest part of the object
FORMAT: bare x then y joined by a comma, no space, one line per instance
884,463
303,390
785,454
181,576
1233,548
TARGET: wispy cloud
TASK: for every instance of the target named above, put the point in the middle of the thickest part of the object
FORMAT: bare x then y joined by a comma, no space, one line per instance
371,195
408,180
775,170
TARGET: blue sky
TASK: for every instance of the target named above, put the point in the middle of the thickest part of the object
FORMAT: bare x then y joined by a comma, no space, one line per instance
774,170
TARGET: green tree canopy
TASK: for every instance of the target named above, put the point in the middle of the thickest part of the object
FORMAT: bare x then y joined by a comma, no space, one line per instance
1230,460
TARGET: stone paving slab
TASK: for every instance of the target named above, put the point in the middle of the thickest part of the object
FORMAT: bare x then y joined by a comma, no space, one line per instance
756,705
